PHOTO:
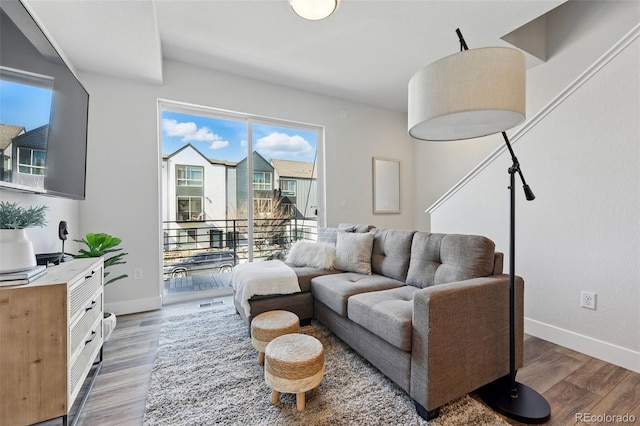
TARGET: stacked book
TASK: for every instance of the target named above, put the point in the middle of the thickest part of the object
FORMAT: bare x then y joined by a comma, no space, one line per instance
22,277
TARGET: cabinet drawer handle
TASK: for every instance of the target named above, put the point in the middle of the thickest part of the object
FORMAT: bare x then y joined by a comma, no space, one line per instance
93,336
90,275
91,306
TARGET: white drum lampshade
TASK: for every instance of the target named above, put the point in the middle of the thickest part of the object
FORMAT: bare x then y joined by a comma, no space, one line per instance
470,94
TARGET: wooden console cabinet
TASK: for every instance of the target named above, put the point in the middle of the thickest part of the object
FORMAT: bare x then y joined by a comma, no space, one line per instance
50,336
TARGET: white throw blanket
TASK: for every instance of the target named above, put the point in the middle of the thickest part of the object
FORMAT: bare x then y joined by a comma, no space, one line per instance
262,278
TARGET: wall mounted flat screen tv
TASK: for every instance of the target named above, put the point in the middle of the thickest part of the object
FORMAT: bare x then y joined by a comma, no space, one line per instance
43,111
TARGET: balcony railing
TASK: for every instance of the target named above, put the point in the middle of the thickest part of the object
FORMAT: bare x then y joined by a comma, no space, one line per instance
210,246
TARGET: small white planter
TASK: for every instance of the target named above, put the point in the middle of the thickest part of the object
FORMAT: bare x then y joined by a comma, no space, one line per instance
108,324
17,251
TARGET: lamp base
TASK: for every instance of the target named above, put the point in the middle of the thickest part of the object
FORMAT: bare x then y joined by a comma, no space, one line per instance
528,407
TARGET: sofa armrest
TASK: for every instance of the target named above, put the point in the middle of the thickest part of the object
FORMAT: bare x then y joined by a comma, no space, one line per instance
461,337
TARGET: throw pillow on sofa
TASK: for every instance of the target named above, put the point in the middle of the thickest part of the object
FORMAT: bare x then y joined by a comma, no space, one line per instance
358,227
328,235
315,255
353,252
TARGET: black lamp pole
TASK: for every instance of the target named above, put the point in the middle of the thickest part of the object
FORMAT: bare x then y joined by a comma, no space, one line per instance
506,395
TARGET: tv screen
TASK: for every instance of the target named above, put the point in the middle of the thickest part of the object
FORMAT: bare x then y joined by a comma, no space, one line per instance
43,111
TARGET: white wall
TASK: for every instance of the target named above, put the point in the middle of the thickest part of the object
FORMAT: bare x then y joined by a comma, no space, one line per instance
45,239
123,165
582,161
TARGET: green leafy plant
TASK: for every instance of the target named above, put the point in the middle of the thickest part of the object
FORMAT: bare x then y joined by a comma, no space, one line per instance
14,216
102,245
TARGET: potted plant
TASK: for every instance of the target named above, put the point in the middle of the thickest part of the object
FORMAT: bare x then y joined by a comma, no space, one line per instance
17,250
104,245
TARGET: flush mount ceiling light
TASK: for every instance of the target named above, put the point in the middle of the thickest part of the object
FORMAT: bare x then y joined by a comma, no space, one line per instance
313,10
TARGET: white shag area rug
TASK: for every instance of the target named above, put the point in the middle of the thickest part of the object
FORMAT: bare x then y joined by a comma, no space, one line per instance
206,373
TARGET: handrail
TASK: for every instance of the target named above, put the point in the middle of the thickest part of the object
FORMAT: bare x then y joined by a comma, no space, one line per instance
272,236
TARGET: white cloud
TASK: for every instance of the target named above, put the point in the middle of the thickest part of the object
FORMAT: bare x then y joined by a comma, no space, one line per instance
219,144
190,132
172,128
278,145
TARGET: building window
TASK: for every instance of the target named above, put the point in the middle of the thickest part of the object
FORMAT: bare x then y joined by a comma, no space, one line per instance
262,207
189,175
288,210
262,181
288,187
189,193
187,238
189,208
31,161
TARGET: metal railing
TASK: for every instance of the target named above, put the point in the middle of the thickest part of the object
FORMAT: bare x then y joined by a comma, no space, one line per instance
211,245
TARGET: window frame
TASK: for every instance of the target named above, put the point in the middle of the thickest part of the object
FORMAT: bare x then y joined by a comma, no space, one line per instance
266,185
188,237
187,179
267,202
288,192
192,216
31,166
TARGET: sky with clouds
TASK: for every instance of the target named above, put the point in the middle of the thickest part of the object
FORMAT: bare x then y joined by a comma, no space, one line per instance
225,139
24,105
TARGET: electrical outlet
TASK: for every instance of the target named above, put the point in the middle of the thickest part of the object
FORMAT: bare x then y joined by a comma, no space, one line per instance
137,273
588,300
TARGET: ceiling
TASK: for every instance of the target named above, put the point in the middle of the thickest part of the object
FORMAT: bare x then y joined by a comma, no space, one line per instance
365,52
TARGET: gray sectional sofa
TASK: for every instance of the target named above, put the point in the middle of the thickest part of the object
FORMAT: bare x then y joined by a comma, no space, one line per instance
432,314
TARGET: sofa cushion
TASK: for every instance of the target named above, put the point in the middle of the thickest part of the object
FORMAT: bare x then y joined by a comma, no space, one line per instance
334,290
315,255
328,235
353,252
387,314
444,258
391,253
425,259
357,227
305,274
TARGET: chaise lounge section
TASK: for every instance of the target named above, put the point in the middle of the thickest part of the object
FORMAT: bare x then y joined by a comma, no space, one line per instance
431,312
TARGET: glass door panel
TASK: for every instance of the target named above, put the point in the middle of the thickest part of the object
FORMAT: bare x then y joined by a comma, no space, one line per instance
203,207
235,189
284,186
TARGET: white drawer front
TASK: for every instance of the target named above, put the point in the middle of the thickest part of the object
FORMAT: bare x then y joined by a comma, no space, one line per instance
81,292
82,328
82,364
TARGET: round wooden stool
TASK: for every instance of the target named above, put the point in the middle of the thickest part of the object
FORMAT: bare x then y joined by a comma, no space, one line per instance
294,363
269,325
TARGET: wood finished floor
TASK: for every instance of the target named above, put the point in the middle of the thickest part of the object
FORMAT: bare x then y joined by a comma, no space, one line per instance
570,381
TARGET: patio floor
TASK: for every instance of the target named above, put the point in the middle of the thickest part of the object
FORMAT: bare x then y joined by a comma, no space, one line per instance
197,283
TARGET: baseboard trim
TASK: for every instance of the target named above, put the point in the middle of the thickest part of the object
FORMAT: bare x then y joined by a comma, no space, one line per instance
614,354
134,306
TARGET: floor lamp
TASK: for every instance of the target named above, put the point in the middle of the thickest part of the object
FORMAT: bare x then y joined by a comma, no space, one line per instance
467,95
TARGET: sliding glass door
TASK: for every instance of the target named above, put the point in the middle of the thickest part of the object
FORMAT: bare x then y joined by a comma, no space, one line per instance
235,188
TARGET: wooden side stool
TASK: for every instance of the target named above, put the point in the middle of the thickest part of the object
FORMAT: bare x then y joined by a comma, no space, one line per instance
294,363
269,325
